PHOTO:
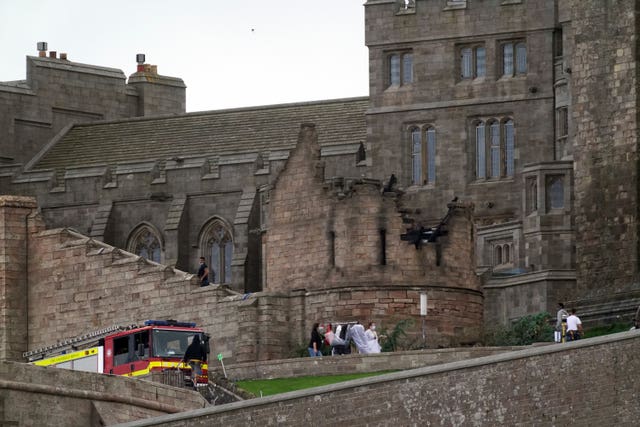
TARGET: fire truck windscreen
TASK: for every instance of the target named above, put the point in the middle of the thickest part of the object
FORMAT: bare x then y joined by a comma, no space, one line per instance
171,343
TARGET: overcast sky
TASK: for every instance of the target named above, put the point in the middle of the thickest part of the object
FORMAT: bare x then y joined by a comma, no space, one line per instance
230,53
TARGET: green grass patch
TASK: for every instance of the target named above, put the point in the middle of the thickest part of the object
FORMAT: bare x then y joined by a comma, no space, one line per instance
606,330
283,385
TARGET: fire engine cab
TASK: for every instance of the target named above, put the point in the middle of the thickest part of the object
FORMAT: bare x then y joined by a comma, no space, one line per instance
131,350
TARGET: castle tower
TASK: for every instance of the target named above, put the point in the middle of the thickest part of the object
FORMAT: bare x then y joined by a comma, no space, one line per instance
605,102
338,242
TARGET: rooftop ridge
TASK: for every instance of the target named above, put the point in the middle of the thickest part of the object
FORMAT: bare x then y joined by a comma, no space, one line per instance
223,111
66,64
22,82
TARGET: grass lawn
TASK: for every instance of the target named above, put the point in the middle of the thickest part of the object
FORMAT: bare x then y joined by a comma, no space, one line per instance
606,330
283,385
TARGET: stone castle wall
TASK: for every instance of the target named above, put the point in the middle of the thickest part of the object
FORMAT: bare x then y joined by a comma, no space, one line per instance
434,34
84,399
339,243
582,383
354,363
109,202
297,242
14,252
605,102
57,284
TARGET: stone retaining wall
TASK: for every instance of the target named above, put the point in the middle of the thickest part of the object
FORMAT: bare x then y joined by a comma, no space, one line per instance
588,382
34,395
353,363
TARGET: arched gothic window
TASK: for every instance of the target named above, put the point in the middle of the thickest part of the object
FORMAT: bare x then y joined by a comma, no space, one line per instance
146,242
217,245
503,256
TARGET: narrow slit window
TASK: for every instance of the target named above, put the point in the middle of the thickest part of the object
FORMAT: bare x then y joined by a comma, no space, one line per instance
495,149
407,68
383,247
481,62
521,58
481,163
394,67
509,147
466,63
332,248
416,157
431,155
507,59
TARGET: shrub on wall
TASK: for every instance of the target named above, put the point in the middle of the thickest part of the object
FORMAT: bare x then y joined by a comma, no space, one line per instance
524,331
396,338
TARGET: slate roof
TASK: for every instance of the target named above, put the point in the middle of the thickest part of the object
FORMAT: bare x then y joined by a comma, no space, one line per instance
211,133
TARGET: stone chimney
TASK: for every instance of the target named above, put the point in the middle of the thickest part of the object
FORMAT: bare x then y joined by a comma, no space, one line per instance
157,94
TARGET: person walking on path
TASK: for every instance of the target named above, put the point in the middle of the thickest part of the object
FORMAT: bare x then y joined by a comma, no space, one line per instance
561,317
574,327
315,344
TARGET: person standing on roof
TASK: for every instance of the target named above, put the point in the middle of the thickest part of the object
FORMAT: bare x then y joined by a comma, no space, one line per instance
203,272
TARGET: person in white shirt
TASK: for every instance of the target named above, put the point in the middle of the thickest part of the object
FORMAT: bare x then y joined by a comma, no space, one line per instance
372,338
362,342
574,326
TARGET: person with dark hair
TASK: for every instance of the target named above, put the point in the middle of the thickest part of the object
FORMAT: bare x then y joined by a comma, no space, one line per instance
574,327
315,344
372,338
195,356
561,317
203,272
636,319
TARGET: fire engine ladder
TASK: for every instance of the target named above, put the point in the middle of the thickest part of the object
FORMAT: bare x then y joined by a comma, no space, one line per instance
75,343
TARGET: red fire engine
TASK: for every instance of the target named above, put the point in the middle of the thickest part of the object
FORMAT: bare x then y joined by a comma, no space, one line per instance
131,350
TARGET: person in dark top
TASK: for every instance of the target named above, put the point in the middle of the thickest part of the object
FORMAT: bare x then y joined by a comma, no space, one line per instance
316,342
203,272
195,356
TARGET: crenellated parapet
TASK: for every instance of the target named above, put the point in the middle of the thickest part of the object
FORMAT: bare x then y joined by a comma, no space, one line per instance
342,187
338,243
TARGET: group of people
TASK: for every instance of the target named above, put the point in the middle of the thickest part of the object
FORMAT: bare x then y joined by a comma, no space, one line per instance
573,326
366,341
